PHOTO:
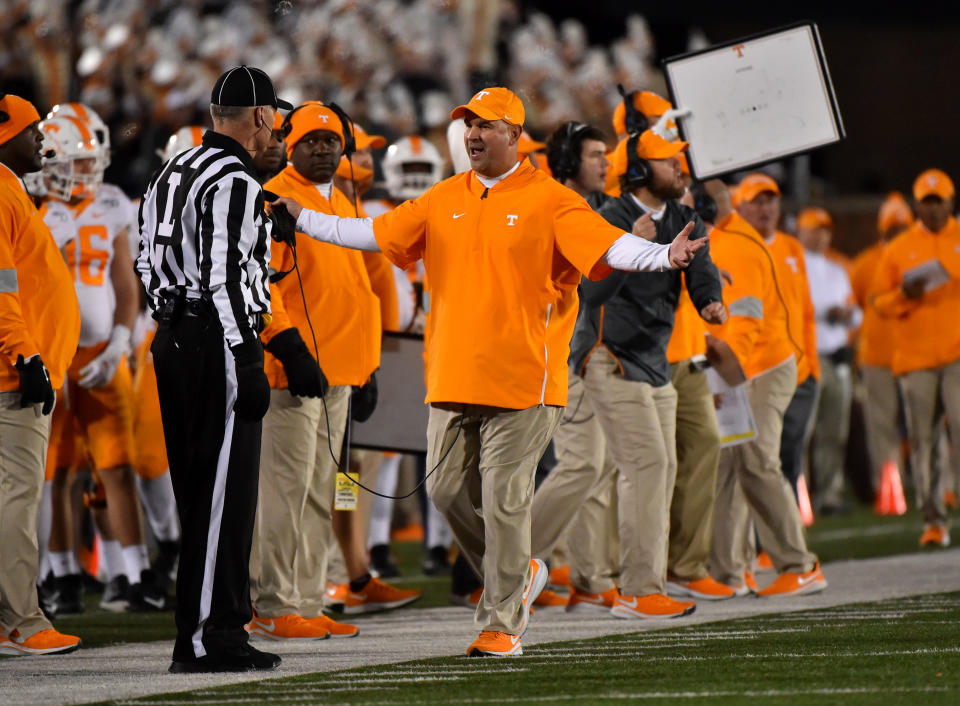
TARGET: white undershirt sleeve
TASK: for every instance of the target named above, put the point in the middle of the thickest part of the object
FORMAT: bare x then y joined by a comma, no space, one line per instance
635,254
354,233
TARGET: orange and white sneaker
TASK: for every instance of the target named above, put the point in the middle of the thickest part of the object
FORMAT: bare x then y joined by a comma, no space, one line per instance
582,602
764,563
46,642
551,599
377,595
653,605
937,535
467,600
790,583
292,628
335,595
748,586
495,644
705,588
560,578
333,628
538,579
951,500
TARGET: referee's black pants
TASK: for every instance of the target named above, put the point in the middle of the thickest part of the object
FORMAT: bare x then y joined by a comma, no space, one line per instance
214,465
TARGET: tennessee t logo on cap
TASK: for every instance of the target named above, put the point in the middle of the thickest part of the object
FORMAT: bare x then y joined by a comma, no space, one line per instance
494,103
246,86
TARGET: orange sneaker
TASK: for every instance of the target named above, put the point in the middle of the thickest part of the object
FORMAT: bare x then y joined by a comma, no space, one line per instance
560,577
336,595
551,599
377,595
538,579
581,602
653,605
705,588
790,583
936,535
950,499
292,628
764,562
495,644
410,533
45,642
333,628
467,600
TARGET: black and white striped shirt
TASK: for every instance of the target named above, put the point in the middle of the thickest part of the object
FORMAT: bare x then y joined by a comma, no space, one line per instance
204,234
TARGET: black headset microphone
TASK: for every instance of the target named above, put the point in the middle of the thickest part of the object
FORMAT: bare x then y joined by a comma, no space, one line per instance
638,169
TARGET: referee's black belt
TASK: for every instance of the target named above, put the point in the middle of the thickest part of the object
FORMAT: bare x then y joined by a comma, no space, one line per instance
174,309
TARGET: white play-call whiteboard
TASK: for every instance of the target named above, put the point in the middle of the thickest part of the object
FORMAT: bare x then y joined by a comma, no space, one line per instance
754,100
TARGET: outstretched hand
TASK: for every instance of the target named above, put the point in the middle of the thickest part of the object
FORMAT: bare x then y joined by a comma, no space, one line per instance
682,249
293,208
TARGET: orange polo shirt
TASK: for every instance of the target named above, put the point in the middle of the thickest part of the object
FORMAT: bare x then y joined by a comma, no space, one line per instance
38,305
756,328
925,331
688,338
504,264
801,320
343,308
874,342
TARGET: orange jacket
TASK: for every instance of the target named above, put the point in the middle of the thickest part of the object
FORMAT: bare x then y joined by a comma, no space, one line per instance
343,308
873,340
384,286
38,305
926,334
688,338
801,320
756,328
504,264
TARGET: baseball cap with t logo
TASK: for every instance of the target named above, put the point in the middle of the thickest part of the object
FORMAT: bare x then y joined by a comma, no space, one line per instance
246,86
495,103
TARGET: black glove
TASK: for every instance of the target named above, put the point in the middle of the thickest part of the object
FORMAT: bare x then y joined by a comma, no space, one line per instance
284,226
363,400
253,390
35,387
304,376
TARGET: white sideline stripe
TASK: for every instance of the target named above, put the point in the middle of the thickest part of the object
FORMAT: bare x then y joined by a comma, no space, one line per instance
879,530
216,505
628,654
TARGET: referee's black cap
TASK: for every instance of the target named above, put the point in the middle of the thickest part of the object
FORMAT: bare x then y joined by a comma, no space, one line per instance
246,86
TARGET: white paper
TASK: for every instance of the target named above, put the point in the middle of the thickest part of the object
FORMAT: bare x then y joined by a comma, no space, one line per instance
931,272
734,416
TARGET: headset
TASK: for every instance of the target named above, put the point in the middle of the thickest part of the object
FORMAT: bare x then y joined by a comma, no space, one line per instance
703,203
346,125
635,121
568,161
638,171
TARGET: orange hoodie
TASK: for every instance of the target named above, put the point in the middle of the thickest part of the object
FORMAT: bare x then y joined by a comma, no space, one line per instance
873,340
801,320
925,333
38,305
688,338
756,329
343,308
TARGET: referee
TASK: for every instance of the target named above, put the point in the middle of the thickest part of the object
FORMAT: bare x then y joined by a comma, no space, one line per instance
204,249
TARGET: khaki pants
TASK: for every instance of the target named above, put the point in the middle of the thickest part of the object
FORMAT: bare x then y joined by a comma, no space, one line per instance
698,456
297,480
639,424
485,459
750,478
23,453
827,457
583,471
922,391
881,405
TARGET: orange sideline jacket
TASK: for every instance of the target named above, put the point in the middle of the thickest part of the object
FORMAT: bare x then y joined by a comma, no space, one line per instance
687,339
504,264
874,340
801,321
38,305
343,308
926,331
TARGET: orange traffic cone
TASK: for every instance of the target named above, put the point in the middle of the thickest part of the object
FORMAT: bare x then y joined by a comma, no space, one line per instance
803,500
890,500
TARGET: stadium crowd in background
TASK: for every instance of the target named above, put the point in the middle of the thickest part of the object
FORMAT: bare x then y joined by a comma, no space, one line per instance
628,522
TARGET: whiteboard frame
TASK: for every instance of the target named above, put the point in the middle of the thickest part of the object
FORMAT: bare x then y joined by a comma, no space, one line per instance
751,162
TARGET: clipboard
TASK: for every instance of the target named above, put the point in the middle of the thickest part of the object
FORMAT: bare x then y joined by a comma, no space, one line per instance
932,272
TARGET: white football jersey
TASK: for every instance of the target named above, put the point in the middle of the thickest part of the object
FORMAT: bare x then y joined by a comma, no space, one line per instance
90,255
59,219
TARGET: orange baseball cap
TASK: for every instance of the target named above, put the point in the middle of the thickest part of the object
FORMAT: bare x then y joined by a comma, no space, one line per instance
933,182
527,144
309,117
354,171
495,103
754,185
364,140
646,102
649,146
17,115
814,218
277,120
895,211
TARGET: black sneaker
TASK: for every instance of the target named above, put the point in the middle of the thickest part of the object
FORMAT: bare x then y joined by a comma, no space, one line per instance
149,595
165,565
116,596
47,597
70,594
244,658
436,563
381,562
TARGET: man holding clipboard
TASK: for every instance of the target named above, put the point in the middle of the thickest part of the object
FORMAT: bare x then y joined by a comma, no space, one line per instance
918,285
